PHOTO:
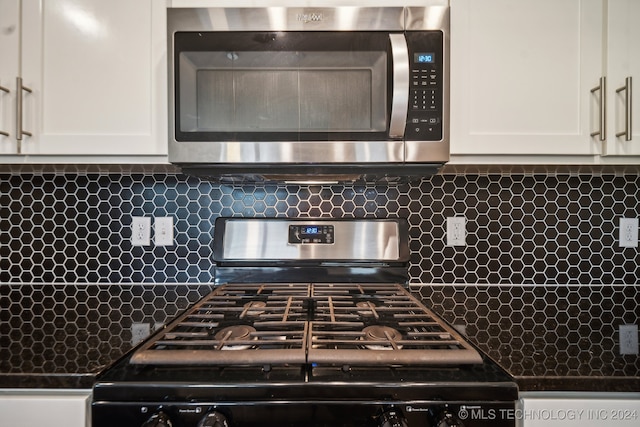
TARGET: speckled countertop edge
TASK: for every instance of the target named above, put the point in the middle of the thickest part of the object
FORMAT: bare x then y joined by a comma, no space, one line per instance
532,383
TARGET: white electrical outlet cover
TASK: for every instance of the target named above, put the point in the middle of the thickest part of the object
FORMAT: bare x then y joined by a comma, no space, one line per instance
140,231
456,231
139,331
163,231
628,339
628,232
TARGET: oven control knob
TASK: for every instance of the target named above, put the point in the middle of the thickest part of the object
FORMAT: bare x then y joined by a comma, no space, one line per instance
447,419
214,419
159,419
392,417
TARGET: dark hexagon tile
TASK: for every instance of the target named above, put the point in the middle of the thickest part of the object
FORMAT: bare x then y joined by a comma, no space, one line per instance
563,329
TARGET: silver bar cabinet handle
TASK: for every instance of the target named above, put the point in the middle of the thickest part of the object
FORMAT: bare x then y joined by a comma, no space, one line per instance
628,103
602,87
19,131
400,100
4,89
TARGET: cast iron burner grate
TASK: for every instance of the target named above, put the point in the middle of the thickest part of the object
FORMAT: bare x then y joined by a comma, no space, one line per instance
314,323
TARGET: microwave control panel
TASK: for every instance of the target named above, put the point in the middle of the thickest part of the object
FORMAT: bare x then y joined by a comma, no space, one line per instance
425,114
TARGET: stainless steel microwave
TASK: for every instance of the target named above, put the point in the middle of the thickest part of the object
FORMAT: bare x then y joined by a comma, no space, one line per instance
309,91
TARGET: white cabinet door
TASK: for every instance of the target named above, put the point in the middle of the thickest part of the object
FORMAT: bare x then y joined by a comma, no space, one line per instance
54,408
97,70
521,76
9,70
565,409
623,61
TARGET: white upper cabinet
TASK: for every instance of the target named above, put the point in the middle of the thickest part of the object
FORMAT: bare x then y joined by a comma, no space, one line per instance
9,70
623,65
521,77
97,75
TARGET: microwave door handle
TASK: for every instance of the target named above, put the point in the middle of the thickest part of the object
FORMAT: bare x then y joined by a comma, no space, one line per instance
400,96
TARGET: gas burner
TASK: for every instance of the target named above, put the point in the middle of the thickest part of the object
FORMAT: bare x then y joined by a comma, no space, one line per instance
367,309
227,336
253,309
386,335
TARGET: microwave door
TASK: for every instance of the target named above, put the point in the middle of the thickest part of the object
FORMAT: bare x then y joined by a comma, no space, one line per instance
290,97
288,86
400,96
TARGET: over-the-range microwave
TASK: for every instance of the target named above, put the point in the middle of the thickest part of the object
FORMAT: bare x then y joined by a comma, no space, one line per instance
281,92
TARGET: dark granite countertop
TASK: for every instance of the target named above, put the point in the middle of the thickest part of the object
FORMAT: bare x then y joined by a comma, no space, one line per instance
54,336
47,380
55,358
80,374
586,384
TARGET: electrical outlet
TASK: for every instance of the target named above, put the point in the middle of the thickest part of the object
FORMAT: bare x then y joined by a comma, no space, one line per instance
628,232
163,231
140,231
628,339
462,329
139,331
456,231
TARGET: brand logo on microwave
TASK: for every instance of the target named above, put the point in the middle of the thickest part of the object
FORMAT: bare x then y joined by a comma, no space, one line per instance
310,17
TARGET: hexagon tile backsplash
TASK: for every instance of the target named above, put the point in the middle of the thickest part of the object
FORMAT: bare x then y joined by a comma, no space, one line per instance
541,275
537,229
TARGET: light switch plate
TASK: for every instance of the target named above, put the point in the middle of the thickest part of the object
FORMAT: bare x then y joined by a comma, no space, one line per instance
163,231
140,231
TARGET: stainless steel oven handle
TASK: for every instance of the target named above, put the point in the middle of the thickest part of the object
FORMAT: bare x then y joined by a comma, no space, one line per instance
400,100
627,109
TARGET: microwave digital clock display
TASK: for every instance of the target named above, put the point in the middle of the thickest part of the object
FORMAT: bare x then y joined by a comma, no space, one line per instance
424,58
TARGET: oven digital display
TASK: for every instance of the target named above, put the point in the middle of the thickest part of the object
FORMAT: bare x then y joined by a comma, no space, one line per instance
311,234
424,58
310,229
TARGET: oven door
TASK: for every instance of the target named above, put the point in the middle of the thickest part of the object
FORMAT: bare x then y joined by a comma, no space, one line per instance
317,89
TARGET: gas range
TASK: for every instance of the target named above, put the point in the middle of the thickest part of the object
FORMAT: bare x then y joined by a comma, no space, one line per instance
347,352
308,323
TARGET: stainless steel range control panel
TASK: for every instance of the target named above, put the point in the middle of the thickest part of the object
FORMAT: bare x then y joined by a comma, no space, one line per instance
314,239
311,233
